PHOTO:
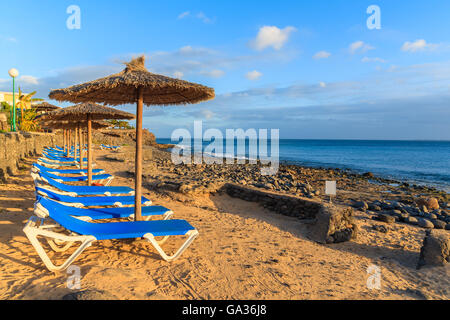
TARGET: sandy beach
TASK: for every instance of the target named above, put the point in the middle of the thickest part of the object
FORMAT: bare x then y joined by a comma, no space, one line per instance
244,251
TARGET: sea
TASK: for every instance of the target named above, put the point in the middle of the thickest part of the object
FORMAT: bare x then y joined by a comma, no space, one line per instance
416,162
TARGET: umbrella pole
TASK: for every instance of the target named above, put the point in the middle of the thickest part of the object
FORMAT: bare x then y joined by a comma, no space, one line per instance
89,138
138,160
68,143
81,147
64,140
75,150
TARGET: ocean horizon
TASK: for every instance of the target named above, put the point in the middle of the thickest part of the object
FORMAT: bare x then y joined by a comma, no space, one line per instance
421,162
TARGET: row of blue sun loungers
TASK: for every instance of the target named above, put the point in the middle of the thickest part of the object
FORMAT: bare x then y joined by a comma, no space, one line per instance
77,211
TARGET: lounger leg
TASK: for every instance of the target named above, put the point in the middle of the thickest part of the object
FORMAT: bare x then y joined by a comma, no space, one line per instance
32,234
192,235
108,182
53,244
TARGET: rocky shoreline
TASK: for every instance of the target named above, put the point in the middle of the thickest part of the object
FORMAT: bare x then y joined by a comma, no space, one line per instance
385,200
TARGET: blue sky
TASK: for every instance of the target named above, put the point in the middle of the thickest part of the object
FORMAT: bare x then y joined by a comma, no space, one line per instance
309,68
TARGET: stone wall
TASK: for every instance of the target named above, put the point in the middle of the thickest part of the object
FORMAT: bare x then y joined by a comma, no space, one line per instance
15,146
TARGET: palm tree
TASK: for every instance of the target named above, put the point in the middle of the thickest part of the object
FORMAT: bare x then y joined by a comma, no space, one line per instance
24,100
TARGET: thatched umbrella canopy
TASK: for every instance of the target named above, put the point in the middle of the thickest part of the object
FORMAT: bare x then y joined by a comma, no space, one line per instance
86,113
135,84
82,111
44,107
75,124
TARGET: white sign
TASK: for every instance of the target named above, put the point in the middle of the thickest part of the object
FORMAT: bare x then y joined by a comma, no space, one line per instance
2,97
330,188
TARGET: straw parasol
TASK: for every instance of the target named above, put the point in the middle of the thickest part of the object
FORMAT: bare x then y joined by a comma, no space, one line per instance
87,112
44,107
135,84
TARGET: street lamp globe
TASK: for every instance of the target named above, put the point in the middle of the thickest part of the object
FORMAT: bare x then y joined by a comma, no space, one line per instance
13,72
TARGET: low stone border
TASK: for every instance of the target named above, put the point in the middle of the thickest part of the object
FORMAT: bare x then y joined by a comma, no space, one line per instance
330,224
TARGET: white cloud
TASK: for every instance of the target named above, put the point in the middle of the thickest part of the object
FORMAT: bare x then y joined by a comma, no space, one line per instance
208,114
178,74
322,84
418,45
359,47
271,36
216,73
201,16
367,59
29,80
322,55
253,75
184,15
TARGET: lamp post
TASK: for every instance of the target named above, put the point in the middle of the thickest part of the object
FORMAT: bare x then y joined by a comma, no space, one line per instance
14,73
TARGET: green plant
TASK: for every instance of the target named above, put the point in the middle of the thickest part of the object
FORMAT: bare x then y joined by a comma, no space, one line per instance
120,124
28,122
24,101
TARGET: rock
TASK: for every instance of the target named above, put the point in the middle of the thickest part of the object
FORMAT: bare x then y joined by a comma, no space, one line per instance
380,228
333,225
447,227
374,207
90,295
424,223
435,250
430,203
438,224
386,218
368,175
361,205
412,220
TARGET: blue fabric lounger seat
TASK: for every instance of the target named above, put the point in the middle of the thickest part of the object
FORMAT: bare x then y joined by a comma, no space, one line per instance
39,167
103,146
75,191
95,201
58,163
43,205
97,177
62,159
88,232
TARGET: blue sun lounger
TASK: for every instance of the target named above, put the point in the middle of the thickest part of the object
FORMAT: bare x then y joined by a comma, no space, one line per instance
37,167
103,146
88,232
43,205
57,164
76,191
96,201
61,159
55,148
99,177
